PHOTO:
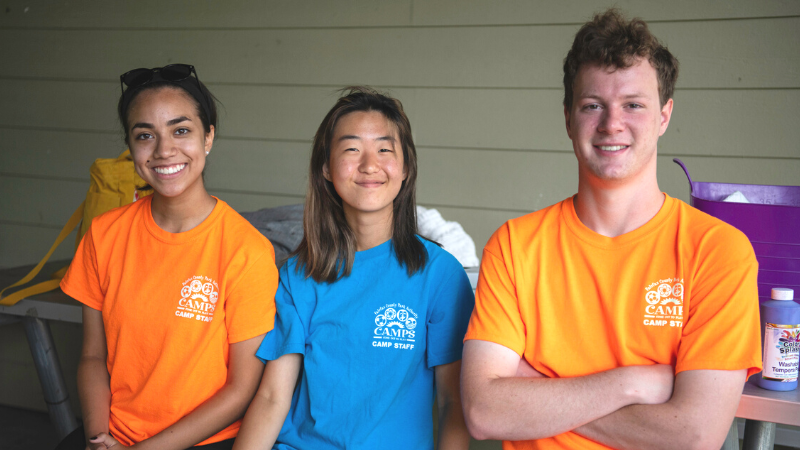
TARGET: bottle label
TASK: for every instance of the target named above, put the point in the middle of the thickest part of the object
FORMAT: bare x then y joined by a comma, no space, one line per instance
781,352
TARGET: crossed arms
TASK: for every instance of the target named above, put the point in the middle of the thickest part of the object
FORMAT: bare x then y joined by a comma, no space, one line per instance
633,407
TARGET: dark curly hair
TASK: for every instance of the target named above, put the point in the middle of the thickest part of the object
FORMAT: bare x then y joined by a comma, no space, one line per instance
612,41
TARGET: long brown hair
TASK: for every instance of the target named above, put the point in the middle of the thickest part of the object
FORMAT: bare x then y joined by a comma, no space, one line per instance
328,248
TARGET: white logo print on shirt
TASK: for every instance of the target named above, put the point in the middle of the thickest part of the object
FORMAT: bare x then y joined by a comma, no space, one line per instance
199,297
664,303
394,327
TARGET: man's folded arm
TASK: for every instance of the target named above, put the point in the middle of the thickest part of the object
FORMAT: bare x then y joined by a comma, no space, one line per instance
697,416
499,404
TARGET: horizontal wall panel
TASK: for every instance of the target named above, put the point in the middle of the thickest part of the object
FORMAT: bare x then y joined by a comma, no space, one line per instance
60,154
259,166
40,201
481,12
721,54
25,244
363,13
716,122
193,14
496,180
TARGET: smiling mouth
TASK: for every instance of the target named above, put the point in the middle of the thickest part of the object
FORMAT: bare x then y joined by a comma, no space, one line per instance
612,148
370,183
169,170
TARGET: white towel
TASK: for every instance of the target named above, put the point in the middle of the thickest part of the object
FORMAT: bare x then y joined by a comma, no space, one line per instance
450,234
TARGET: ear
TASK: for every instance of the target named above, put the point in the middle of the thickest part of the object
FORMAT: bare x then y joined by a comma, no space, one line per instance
209,141
566,120
326,173
666,114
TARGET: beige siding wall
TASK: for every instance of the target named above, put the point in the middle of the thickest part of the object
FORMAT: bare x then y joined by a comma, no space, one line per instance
481,82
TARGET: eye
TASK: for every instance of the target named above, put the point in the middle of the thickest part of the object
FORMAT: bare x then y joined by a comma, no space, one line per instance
591,107
143,136
635,106
181,131
386,150
351,149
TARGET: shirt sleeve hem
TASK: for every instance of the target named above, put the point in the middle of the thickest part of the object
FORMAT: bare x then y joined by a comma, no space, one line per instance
752,367
251,333
500,340
81,297
270,355
444,358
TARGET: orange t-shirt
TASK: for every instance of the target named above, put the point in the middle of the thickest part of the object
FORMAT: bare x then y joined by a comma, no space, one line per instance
679,290
172,303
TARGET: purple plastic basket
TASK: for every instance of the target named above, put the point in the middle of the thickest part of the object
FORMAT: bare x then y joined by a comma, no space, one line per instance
771,221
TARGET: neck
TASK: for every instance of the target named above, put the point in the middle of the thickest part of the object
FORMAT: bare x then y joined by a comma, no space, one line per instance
371,230
613,209
182,213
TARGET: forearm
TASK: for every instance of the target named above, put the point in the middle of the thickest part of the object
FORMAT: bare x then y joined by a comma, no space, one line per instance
638,427
263,421
267,412
211,417
697,416
453,434
533,408
95,395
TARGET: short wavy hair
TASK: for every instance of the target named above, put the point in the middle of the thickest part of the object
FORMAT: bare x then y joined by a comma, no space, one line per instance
612,41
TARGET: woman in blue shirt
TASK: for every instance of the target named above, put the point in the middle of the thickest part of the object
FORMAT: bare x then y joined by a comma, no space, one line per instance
370,316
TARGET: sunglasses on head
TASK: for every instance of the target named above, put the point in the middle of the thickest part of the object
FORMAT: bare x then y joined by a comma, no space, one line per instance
173,72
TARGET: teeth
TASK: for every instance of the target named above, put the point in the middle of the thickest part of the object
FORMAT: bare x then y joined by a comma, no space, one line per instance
612,148
169,170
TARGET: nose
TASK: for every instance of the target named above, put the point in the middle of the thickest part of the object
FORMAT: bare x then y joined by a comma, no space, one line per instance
164,148
368,162
612,121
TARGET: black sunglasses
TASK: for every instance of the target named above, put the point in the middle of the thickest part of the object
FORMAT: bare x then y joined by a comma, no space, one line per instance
173,72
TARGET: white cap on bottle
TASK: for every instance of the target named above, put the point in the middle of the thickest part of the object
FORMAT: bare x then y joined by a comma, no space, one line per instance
782,294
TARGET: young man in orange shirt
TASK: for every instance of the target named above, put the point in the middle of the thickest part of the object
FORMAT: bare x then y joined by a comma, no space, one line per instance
620,317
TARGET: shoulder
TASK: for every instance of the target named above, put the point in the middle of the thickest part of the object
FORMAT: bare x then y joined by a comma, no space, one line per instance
709,242
439,259
121,216
239,232
524,229
701,230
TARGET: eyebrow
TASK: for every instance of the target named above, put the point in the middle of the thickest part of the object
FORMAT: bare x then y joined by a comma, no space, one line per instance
169,123
358,138
628,96
178,120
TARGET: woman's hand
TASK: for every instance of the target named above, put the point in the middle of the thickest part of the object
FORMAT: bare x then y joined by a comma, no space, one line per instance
102,441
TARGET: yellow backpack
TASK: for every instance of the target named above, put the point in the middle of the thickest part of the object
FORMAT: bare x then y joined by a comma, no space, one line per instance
114,183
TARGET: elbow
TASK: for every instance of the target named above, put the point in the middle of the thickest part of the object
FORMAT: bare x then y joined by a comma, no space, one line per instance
698,437
479,421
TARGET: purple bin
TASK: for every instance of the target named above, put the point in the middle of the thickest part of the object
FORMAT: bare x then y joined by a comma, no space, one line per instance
771,221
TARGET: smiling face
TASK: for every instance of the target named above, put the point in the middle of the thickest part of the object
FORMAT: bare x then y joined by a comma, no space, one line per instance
168,142
366,164
615,121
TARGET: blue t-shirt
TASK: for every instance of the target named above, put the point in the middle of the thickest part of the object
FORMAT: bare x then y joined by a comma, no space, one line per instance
370,343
